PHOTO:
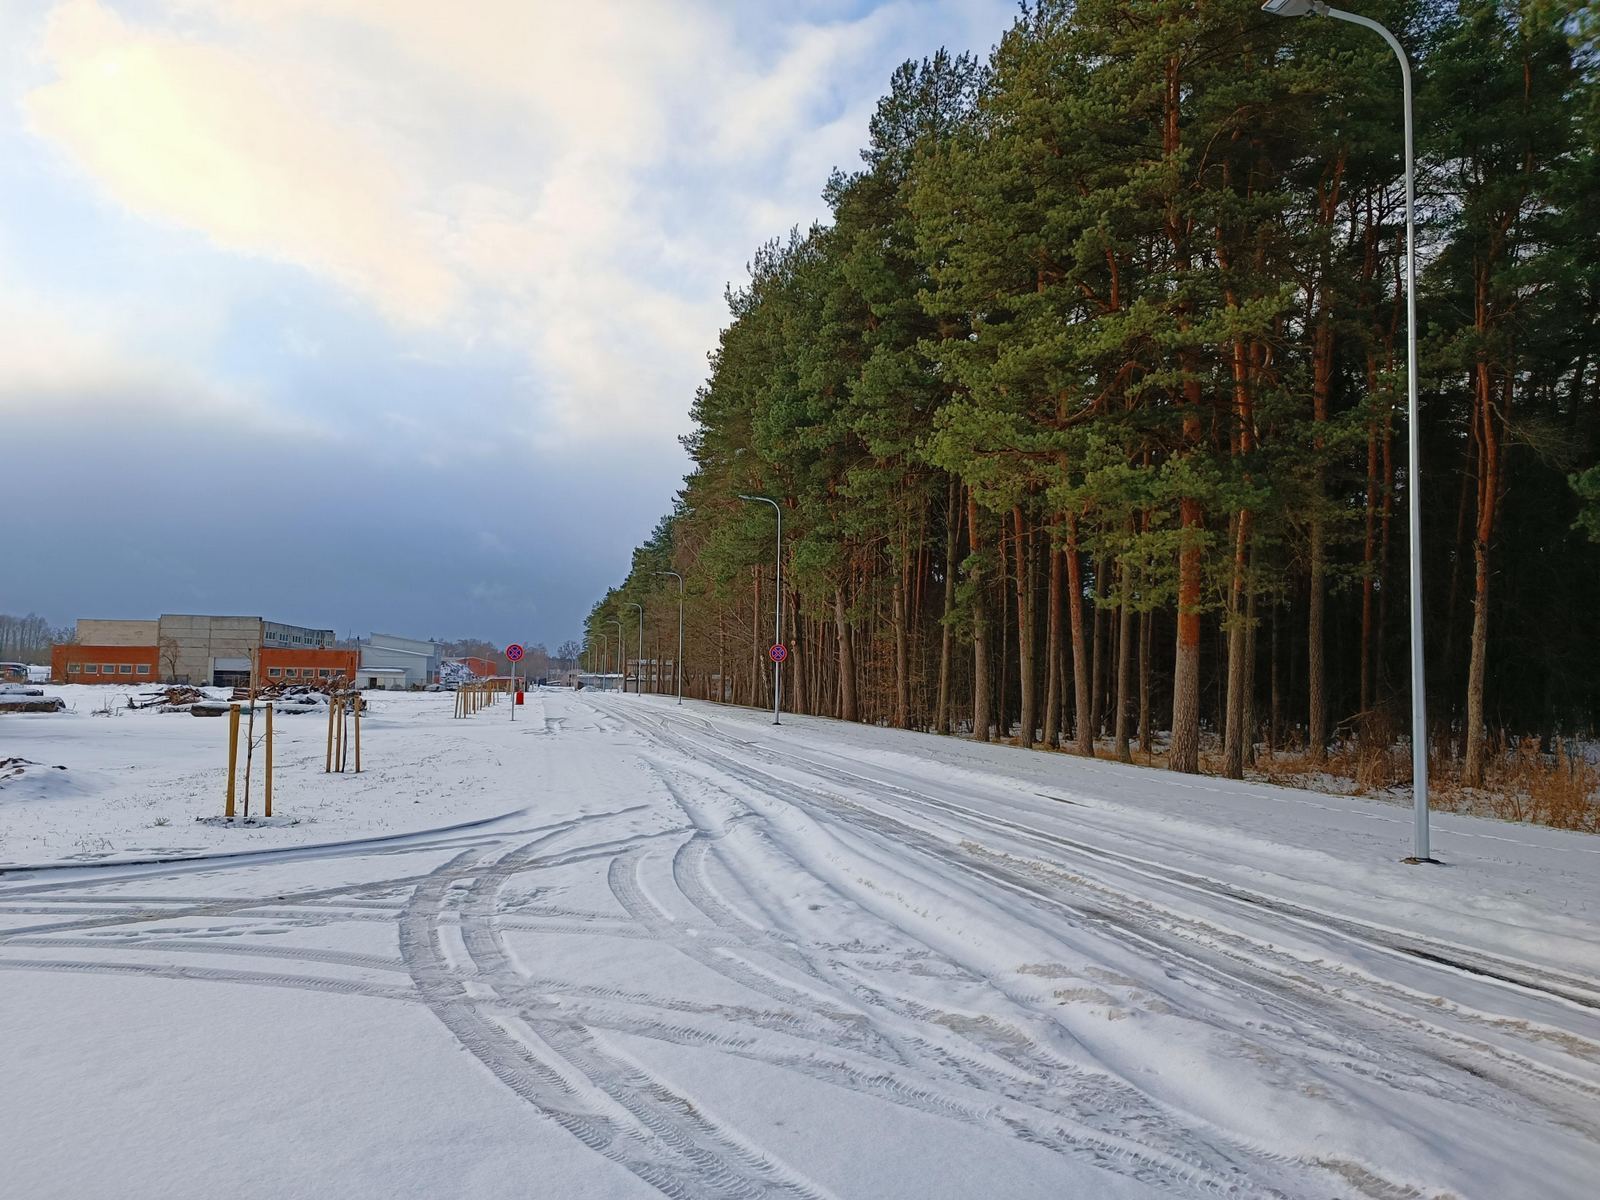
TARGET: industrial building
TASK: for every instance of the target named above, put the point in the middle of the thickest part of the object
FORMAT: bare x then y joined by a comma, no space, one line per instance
383,654
222,651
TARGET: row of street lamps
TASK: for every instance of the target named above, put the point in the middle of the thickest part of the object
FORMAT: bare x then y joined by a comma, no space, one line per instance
1419,741
777,622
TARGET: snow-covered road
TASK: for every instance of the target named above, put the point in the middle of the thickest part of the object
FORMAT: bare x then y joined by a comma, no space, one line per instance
713,958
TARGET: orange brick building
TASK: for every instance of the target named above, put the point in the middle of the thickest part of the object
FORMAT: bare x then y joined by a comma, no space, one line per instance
307,666
72,663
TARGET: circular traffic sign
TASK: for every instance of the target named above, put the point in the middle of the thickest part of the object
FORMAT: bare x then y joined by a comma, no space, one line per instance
514,652
778,653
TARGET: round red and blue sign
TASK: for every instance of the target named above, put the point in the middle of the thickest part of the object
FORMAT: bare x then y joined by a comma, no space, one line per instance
515,652
778,653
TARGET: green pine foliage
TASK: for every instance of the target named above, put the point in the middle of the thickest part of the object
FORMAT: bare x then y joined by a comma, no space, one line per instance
1086,408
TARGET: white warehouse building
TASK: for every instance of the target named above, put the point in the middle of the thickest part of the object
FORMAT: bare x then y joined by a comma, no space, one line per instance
399,662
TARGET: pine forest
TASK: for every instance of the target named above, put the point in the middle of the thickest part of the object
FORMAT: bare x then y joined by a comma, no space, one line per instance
1086,409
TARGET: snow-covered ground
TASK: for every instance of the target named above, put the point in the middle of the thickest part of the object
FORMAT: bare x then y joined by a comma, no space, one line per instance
135,781
708,957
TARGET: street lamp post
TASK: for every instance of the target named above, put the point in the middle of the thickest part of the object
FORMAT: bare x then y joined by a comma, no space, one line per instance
679,664
622,652
638,683
777,618
1419,715
605,656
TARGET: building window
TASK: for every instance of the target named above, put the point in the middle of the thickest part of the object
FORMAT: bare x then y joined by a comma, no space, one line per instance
73,668
91,669
125,669
144,668
324,673
275,672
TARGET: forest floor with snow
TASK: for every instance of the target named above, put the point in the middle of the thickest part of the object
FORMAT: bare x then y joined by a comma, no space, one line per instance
622,948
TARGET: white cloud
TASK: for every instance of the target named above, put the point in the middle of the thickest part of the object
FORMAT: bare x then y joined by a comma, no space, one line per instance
576,182
211,139
65,365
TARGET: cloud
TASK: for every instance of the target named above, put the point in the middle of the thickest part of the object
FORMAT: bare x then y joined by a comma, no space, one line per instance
61,365
574,181
213,139
458,265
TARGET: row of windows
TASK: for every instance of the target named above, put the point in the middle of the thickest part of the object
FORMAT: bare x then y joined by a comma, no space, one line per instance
294,672
108,668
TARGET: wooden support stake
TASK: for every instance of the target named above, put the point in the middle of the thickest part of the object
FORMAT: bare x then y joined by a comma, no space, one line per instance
233,754
266,789
358,735
327,765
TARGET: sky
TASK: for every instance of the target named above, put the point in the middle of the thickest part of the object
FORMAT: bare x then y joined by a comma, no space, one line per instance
387,314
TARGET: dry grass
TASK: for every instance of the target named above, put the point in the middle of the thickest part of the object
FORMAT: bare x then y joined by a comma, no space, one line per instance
1560,789
1521,781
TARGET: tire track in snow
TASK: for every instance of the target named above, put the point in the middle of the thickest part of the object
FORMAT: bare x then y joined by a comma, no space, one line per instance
672,1118
1042,1104
1254,963
900,836
1406,1064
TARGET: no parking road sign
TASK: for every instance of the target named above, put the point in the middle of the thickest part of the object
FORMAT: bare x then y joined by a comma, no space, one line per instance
778,653
514,652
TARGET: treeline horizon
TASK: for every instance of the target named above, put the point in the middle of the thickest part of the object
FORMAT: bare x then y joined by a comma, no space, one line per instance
1086,408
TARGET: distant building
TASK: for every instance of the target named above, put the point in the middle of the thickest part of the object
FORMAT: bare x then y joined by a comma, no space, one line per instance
290,666
221,651
387,679
419,660
74,663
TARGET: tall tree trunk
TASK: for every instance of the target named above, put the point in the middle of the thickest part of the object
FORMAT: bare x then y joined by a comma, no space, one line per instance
1147,734
1321,388
947,633
758,696
847,659
1488,433
1028,717
902,666
794,670
1369,546
982,708
1002,693
1097,652
1184,754
1052,651
1083,725
1124,661
1316,666
1234,733
1250,722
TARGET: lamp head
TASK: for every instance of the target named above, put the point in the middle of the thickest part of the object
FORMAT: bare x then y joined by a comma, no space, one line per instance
1294,8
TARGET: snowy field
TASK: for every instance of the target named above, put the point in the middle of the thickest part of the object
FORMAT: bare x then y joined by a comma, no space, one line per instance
136,780
693,955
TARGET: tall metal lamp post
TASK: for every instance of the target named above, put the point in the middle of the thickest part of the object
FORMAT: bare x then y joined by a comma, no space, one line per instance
777,619
638,683
1419,715
679,662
